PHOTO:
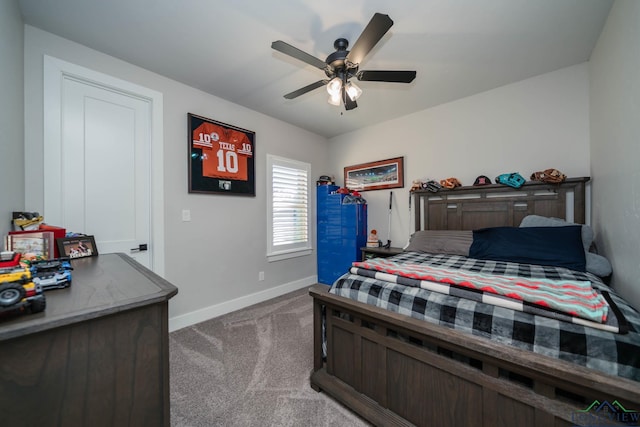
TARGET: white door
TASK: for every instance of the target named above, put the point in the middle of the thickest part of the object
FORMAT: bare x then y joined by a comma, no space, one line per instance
101,185
105,168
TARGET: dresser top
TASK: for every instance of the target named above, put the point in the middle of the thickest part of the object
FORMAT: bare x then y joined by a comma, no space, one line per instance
102,285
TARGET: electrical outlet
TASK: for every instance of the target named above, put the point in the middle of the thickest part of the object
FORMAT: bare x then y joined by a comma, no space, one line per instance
261,276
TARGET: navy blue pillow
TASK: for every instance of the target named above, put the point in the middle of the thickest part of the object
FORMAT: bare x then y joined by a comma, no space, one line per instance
556,246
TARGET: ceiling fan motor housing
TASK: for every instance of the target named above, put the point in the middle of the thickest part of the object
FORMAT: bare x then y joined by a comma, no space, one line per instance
336,62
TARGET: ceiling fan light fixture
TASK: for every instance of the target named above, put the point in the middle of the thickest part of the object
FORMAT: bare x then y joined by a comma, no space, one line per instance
334,99
353,91
334,87
343,64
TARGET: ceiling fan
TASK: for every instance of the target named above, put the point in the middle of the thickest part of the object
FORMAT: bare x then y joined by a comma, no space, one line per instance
342,65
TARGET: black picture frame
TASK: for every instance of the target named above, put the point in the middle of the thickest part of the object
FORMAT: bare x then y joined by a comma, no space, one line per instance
221,157
77,247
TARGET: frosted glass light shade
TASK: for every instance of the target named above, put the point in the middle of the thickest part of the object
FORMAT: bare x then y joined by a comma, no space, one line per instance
353,91
335,99
334,87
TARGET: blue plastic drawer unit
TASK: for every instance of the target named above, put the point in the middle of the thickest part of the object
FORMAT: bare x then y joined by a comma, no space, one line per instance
341,232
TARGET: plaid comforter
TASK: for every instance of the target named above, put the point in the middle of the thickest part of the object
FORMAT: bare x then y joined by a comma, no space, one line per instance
571,299
614,354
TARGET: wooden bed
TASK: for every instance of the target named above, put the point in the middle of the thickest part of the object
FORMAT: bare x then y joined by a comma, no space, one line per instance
399,371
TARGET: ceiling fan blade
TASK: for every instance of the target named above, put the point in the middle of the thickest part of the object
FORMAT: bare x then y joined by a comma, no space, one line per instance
386,76
308,88
294,52
348,103
375,29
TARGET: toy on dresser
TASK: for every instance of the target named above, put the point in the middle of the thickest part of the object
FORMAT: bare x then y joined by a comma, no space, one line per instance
18,291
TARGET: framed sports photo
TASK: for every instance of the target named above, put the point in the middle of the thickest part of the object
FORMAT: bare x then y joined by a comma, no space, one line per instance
378,175
221,158
77,247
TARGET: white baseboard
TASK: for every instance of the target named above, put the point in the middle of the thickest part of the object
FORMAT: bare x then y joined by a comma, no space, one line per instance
210,312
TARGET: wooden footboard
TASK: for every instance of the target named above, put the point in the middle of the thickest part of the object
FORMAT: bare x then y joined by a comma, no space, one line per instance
395,370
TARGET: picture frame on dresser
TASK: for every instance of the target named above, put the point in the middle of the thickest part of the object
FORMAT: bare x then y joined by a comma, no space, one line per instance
34,242
77,247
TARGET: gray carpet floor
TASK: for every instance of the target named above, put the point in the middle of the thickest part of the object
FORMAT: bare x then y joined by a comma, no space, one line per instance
251,368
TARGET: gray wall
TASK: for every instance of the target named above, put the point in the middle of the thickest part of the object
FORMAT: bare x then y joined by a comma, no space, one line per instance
11,113
615,145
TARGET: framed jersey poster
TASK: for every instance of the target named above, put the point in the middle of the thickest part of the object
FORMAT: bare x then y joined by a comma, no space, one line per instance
221,158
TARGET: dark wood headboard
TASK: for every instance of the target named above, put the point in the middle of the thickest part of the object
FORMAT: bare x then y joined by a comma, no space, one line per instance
494,205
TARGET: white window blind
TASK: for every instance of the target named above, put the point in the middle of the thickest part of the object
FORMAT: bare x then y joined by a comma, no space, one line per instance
289,208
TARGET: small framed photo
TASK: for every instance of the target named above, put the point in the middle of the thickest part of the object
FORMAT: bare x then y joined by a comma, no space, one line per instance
31,243
77,247
221,158
375,175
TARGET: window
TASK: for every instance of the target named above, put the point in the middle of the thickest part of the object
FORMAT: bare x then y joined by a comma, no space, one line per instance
288,230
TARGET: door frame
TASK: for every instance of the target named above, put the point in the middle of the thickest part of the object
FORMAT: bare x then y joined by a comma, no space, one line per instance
55,70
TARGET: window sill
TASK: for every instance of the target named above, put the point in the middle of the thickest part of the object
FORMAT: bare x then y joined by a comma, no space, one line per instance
279,256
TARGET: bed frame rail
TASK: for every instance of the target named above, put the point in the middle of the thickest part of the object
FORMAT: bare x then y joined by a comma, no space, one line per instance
398,371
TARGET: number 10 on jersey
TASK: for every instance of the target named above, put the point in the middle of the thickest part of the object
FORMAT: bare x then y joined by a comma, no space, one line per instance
222,157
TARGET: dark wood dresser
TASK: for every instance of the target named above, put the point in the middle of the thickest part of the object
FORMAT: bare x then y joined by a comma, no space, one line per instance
97,356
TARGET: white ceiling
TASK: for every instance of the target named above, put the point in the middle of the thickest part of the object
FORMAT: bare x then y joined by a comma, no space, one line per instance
223,47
